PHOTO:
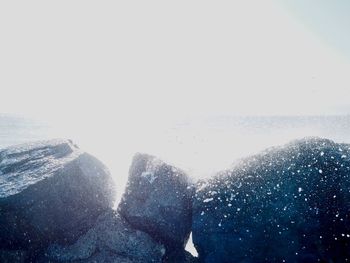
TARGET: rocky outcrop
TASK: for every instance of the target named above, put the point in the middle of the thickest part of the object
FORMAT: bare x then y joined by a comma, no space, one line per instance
287,204
157,200
49,192
111,239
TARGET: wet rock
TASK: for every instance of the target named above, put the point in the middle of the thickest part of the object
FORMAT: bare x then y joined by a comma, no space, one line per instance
286,204
50,192
111,239
157,200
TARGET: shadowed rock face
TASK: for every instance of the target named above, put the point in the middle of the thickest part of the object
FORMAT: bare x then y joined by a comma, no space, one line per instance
50,192
180,257
157,200
13,256
288,203
111,239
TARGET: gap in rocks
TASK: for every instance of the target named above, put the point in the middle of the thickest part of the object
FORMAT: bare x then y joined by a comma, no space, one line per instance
190,247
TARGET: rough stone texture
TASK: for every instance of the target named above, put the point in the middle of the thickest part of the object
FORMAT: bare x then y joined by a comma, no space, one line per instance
180,257
110,240
287,204
157,200
50,191
13,256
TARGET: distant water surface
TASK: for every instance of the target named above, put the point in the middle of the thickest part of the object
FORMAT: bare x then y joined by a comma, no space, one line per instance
200,146
17,129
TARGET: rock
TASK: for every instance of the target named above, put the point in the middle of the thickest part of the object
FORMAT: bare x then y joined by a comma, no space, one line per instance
50,192
13,256
180,257
111,239
286,204
157,200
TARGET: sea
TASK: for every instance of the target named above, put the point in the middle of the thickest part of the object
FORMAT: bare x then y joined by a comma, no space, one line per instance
201,146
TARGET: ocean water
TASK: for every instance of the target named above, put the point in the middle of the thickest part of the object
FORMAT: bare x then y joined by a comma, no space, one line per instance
16,130
200,146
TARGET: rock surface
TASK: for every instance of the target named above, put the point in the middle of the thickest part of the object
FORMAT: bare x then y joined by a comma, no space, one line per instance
50,192
14,256
287,204
110,240
181,256
157,200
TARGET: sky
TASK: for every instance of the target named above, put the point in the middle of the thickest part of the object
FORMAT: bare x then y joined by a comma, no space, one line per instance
114,74
329,20
156,60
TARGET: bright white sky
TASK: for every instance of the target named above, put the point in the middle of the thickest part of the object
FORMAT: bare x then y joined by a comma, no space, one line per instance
90,60
118,70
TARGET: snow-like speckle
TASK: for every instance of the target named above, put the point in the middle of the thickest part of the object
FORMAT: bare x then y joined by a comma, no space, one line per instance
208,200
150,176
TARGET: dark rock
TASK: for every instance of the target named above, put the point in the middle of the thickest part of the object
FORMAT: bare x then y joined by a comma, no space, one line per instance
287,204
180,257
157,200
110,240
50,192
13,256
